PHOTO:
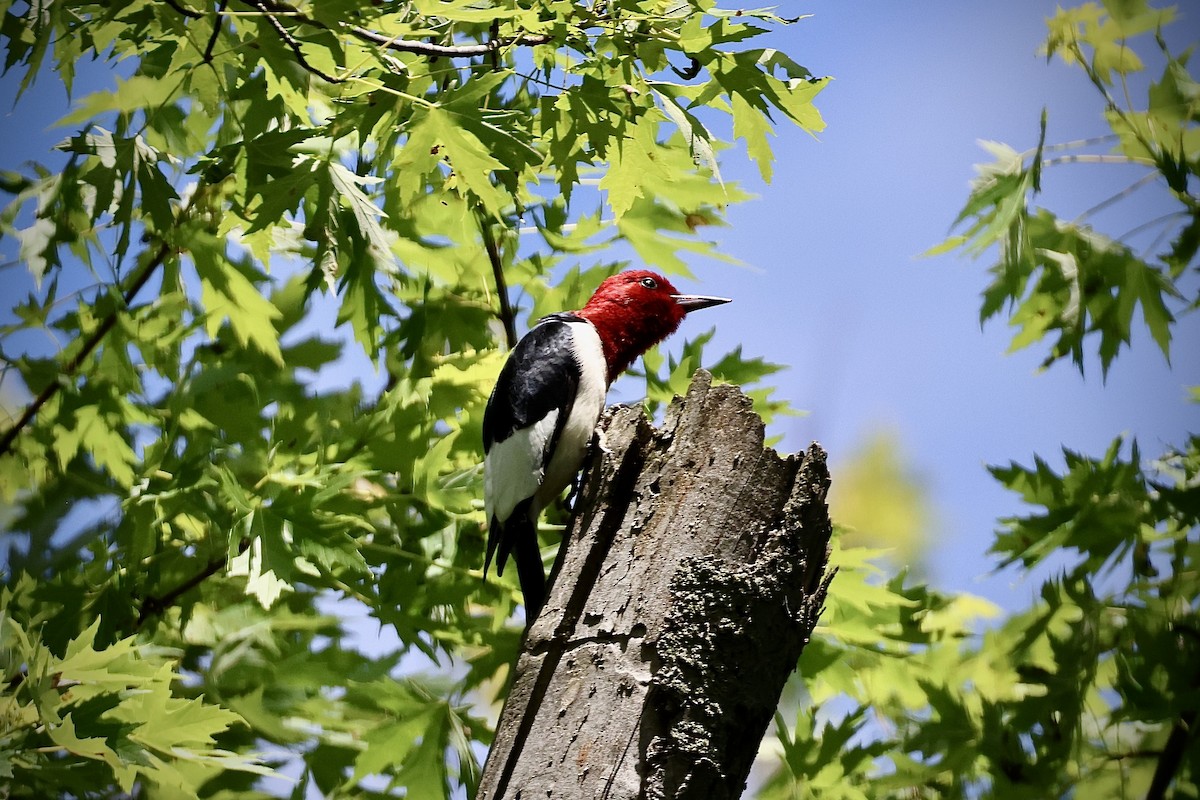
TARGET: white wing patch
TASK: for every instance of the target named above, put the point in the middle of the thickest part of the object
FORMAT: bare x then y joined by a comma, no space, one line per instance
585,413
512,470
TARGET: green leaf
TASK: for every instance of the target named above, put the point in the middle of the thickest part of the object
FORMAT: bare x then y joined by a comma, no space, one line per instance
266,562
393,743
91,429
753,127
227,294
366,214
634,164
472,166
1097,507
132,94
698,138
95,747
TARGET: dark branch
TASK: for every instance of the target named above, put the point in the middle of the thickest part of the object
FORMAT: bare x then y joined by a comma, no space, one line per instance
507,317
216,31
1172,755
89,345
1177,744
493,36
291,42
407,45
187,12
153,606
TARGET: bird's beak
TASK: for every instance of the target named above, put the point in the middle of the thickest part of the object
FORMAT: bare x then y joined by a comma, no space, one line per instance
694,302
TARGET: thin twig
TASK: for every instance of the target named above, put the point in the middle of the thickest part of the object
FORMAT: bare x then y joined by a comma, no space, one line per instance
420,558
1116,198
1160,220
507,317
89,345
1096,158
187,12
409,45
291,42
155,605
1133,754
1074,144
541,81
445,50
216,31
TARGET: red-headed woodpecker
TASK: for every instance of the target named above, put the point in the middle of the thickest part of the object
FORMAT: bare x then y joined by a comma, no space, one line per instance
548,399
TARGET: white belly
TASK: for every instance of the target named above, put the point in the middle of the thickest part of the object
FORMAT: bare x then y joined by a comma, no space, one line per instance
513,469
581,424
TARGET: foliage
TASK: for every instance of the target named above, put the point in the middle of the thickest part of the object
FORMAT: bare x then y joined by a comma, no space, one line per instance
1088,693
1092,691
1062,278
277,261
122,694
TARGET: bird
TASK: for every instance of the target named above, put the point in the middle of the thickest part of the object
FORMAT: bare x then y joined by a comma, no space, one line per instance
547,401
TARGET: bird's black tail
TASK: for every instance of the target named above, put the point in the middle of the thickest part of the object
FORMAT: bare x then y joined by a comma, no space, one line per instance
530,574
518,535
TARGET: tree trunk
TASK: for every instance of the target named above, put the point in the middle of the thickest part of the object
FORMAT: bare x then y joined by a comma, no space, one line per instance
688,583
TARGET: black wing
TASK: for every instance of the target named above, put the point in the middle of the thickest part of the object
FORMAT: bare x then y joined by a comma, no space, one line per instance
540,376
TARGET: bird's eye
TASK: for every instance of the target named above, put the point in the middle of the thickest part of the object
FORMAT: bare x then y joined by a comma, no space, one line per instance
649,283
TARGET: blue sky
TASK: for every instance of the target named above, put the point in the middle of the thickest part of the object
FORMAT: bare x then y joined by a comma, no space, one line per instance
875,337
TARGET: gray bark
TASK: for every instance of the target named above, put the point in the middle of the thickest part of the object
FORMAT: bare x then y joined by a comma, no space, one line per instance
688,583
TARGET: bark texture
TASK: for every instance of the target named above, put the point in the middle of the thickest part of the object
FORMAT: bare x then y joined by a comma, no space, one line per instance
687,585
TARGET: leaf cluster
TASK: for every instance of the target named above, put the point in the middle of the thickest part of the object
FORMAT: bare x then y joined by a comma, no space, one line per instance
1093,690
271,270
1089,692
1063,280
90,717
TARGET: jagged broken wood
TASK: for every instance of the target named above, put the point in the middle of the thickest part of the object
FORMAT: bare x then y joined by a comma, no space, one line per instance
687,585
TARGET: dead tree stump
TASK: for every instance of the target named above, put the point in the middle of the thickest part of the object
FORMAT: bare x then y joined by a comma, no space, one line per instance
687,585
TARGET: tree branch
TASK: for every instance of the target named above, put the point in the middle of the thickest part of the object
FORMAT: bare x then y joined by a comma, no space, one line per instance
216,31
294,45
155,605
507,317
446,50
89,345
187,12
408,45
1177,744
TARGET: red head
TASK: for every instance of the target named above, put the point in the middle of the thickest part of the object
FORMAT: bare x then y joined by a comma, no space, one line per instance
635,310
